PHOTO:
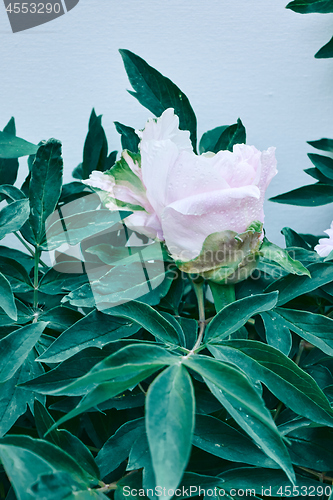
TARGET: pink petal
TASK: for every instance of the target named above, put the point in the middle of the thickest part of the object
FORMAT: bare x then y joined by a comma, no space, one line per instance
187,223
144,223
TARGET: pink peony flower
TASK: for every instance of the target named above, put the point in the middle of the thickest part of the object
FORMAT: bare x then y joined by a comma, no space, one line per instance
181,198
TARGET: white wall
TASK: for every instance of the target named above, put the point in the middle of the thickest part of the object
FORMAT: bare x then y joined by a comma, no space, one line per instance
231,57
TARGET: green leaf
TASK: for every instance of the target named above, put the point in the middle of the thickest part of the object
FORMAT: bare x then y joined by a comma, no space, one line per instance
234,390
7,298
61,485
94,330
315,328
312,445
13,216
266,482
209,139
236,314
125,363
220,439
276,254
157,93
14,399
14,147
69,371
234,134
118,446
277,333
45,186
326,51
129,139
322,144
323,163
310,6
291,286
140,457
64,440
95,147
289,383
313,195
105,391
15,272
15,347
149,319
25,458
9,167
170,423
75,228
294,239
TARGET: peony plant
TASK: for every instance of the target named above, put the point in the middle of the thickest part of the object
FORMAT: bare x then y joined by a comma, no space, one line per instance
153,341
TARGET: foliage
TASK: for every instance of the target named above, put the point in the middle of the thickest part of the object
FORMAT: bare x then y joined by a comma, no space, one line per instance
320,7
147,391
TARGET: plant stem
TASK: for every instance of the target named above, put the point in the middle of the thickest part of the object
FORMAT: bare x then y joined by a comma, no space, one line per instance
28,248
223,295
37,256
199,292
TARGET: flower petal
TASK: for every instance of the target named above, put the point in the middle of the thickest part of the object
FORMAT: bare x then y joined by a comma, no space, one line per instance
187,223
166,127
144,223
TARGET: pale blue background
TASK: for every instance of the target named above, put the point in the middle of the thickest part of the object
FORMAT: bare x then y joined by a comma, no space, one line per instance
232,58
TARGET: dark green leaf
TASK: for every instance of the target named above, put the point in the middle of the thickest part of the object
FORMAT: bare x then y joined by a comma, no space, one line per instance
235,391
118,446
220,439
45,186
209,139
95,147
124,363
16,274
276,254
129,139
149,319
94,330
312,446
323,163
13,216
294,387
7,298
157,93
24,459
266,482
15,347
326,51
310,6
64,440
170,423
292,286
277,333
69,371
14,147
315,328
323,144
9,167
294,239
14,399
105,391
236,314
312,195
234,134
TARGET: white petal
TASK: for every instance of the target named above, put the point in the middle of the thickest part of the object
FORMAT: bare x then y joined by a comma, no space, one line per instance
166,127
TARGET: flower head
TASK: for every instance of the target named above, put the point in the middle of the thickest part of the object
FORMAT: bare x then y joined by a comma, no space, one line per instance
183,199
